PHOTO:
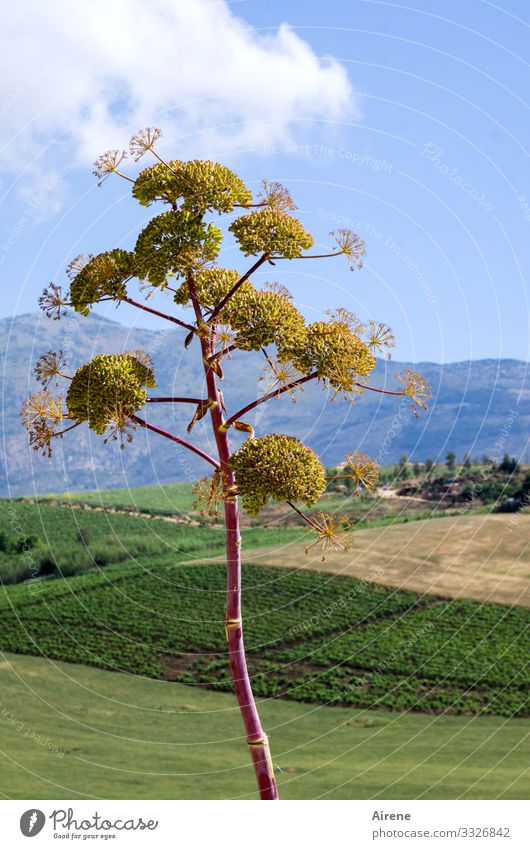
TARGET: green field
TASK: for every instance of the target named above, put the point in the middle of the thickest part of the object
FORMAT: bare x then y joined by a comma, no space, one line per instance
70,731
63,540
310,637
165,499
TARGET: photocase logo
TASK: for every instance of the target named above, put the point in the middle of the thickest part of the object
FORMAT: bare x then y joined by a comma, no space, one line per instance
31,822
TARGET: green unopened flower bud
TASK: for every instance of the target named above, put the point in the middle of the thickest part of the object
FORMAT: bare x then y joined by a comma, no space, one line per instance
271,231
104,275
264,318
336,354
211,285
173,244
200,186
278,467
106,391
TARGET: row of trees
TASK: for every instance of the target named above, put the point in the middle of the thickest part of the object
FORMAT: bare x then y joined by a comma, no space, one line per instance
405,469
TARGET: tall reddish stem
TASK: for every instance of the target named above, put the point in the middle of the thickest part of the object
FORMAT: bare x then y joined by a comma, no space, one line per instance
256,738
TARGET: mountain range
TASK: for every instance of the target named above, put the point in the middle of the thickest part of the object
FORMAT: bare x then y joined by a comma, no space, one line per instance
477,406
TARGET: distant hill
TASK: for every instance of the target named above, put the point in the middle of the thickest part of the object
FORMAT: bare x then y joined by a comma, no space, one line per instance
471,409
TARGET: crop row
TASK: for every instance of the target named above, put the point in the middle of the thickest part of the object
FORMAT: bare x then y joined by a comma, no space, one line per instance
365,689
311,636
457,641
182,608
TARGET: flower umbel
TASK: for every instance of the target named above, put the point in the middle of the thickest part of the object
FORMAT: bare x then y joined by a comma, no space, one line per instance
99,277
327,528
108,163
278,467
351,245
362,470
49,367
53,302
337,354
196,185
143,141
417,388
380,337
108,391
271,231
41,414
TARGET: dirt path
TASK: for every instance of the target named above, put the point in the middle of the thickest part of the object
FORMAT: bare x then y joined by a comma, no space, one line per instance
82,505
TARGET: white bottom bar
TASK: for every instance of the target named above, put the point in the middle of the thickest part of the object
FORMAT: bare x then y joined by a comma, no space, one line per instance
302,825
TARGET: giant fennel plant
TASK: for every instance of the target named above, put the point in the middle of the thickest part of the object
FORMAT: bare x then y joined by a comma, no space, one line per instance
175,255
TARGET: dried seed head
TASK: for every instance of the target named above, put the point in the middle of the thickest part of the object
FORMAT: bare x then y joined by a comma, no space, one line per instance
77,264
329,530
108,163
41,415
49,367
362,470
279,375
210,495
276,196
379,336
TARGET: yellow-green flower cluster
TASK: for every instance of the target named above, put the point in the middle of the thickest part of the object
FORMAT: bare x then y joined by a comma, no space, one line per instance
278,467
173,244
335,353
258,318
272,232
264,318
104,276
201,186
106,391
211,285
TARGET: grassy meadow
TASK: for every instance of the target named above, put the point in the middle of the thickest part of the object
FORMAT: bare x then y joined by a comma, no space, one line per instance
69,731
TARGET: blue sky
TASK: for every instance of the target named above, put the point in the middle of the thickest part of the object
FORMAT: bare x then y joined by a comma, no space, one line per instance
414,134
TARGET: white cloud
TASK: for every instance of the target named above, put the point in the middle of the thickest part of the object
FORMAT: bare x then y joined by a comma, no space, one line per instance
80,77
